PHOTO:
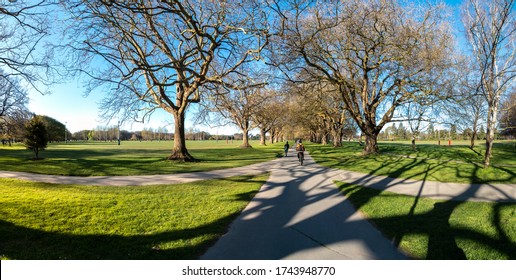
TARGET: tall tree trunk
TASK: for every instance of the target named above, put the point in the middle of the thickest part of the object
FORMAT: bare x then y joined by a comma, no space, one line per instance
491,122
179,152
472,140
371,144
245,139
337,138
324,138
475,131
489,148
473,137
262,137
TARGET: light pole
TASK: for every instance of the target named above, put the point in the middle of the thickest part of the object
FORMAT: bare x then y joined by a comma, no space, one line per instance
65,131
118,126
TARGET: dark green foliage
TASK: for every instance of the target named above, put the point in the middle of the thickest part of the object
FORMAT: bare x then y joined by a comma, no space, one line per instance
55,129
36,137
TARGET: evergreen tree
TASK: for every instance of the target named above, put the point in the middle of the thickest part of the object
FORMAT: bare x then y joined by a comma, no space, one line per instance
36,137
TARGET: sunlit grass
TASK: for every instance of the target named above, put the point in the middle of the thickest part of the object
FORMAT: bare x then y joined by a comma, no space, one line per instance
133,158
434,229
48,221
430,162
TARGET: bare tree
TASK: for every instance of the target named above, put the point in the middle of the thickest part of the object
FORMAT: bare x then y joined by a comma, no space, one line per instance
13,97
13,104
12,127
323,106
239,106
491,31
508,116
378,54
270,113
162,54
416,113
468,107
23,27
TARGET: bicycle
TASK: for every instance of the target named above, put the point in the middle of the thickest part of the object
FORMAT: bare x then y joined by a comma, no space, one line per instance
301,157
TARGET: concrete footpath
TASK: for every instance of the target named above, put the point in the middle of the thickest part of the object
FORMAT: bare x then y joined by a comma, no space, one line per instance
142,180
299,213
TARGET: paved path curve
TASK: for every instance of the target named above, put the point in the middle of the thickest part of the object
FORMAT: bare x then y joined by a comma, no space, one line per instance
299,213
431,189
141,180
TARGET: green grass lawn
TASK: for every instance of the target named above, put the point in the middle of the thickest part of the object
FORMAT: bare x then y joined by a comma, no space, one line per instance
48,221
133,158
434,229
456,163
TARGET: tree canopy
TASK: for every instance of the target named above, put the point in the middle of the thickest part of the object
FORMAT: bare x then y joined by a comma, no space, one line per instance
377,54
36,137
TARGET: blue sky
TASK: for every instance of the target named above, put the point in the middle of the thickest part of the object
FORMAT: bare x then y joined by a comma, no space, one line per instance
67,104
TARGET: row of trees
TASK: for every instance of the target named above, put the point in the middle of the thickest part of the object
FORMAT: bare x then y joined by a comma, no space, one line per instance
14,128
320,68
380,61
400,132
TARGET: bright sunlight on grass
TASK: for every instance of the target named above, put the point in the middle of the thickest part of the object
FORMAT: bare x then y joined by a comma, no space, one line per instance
133,158
434,229
47,221
430,162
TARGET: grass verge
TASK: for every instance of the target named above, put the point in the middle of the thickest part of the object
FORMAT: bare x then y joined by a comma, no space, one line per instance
434,229
429,162
48,221
133,158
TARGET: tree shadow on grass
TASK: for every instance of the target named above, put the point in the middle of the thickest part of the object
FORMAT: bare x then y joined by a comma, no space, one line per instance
435,225
17,242
398,161
117,161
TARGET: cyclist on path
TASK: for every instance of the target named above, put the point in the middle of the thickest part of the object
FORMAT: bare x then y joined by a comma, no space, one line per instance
300,148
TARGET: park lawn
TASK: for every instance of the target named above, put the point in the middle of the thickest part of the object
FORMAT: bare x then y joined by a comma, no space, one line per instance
456,163
434,229
132,158
49,221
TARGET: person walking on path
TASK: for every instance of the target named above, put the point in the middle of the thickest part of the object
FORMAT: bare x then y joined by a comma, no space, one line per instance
285,148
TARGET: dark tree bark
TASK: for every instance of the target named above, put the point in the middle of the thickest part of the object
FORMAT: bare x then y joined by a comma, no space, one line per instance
180,152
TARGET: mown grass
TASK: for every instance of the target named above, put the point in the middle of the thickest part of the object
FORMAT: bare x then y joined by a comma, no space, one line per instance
433,229
456,163
132,158
48,221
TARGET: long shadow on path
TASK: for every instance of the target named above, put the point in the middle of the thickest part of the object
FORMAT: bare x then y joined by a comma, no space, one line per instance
300,214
